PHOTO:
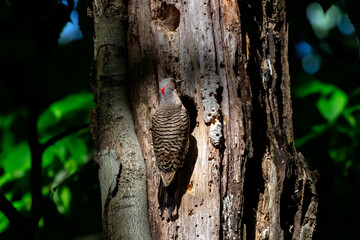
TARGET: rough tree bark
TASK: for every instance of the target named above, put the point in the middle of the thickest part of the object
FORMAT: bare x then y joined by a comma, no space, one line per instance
243,177
118,154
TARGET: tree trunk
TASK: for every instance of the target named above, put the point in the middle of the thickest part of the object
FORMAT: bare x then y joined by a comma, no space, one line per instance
118,154
243,177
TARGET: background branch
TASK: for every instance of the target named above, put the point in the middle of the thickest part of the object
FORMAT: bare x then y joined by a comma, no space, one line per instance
15,218
35,172
58,137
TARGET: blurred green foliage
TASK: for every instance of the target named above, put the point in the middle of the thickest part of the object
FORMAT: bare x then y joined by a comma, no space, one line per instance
62,163
326,107
341,113
49,82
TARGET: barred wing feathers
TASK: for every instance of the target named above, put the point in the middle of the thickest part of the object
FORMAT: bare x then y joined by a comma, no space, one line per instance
170,132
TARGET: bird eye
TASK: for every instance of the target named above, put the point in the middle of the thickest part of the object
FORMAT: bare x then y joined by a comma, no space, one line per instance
172,84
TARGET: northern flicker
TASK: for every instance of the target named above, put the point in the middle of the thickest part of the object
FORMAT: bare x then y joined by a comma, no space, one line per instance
170,133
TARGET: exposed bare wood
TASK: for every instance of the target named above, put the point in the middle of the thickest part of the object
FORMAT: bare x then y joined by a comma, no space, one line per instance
243,177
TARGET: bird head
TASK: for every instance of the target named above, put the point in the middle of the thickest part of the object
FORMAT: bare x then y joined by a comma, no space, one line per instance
167,90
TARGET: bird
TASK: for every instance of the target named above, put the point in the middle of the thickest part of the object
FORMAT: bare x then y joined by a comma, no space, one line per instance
170,135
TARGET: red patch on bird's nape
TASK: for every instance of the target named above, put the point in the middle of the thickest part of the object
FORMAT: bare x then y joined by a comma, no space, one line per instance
163,91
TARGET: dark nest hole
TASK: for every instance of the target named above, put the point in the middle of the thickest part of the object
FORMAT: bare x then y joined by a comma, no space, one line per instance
169,15
190,106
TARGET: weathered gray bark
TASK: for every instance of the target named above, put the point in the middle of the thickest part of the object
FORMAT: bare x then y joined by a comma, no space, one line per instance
243,177
246,178
118,154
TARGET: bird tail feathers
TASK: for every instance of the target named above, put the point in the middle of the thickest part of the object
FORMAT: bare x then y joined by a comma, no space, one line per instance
166,196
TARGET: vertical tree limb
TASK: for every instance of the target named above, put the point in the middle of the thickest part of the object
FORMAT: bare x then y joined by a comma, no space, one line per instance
36,169
21,224
118,154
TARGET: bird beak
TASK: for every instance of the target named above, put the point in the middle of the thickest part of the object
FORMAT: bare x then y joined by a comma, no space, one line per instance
178,80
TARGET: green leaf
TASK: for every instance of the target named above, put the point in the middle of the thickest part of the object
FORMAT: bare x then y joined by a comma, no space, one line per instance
319,129
23,203
301,141
77,148
331,107
71,103
348,114
71,166
41,223
316,131
332,101
4,222
312,87
347,166
339,154
7,124
65,197
57,150
73,108
350,118
46,190
62,199
16,161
